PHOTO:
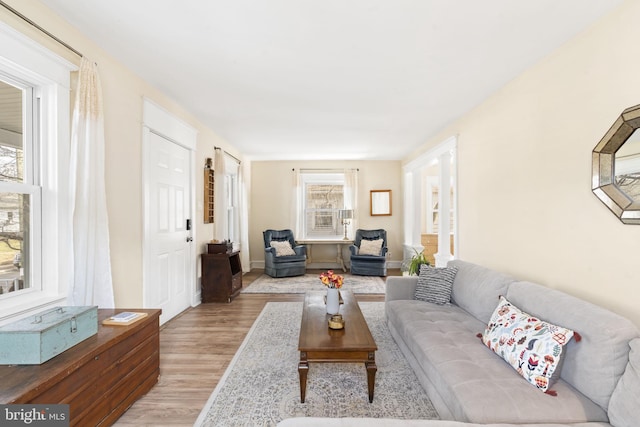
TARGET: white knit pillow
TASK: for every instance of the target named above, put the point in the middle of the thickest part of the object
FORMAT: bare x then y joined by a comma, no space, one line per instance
282,248
370,247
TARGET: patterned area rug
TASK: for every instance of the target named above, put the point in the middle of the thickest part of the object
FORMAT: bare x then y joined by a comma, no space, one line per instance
261,386
310,282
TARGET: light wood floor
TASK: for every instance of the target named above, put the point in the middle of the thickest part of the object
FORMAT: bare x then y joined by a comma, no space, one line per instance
195,350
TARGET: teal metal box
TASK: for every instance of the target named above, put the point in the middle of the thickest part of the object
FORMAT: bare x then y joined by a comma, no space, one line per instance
36,339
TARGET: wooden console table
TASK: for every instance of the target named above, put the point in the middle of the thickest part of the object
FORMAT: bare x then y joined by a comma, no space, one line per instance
99,378
339,259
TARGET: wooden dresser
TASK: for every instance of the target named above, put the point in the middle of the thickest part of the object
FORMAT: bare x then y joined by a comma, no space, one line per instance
99,378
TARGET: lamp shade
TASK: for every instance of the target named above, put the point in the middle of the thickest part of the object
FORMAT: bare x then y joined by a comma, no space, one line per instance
345,214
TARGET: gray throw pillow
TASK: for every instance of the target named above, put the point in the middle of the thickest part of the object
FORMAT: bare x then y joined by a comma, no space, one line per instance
435,284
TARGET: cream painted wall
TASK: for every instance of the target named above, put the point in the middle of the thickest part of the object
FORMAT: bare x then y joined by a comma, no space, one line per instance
123,93
524,170
271,199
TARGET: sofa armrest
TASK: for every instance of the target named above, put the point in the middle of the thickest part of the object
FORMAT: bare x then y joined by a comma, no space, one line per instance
400,287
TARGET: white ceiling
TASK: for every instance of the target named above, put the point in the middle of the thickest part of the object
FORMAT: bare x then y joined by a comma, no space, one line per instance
329,79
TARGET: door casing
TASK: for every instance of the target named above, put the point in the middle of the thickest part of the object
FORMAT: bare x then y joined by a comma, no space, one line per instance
160,122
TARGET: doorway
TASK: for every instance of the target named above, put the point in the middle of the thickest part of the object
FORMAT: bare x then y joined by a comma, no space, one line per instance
431,205
169,253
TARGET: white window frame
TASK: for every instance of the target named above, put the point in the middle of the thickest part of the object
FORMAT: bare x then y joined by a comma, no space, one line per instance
330,178
24,60
232,198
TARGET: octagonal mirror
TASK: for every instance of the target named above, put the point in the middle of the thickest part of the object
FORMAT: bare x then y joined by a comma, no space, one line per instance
616,167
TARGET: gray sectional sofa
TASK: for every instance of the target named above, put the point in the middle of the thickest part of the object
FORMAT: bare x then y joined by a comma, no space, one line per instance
470,385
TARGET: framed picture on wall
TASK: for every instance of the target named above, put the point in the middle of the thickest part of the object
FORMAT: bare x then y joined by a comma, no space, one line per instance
380,202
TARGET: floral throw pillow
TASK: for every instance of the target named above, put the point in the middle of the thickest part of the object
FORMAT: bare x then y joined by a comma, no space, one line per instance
370,247
531,346
282,248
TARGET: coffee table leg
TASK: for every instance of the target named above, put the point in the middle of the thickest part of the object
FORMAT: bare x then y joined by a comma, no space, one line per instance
303,369
371,374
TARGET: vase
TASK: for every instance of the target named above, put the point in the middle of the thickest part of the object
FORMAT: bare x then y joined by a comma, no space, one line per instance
333,301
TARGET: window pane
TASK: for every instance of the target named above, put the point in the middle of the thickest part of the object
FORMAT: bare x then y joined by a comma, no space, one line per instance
11,140
323,201
14,232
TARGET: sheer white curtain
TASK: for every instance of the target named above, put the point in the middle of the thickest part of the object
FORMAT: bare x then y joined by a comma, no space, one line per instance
351,198
245,258
296,204
220,199
92,282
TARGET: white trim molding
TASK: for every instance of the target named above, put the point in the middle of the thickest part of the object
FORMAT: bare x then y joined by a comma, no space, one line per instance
34,67
415,196
159,121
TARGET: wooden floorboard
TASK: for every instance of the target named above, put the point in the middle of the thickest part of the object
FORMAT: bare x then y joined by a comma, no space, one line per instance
195,350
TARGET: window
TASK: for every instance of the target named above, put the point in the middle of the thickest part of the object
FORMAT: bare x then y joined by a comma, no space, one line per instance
323,195
18,189
232,197
34,152
322,201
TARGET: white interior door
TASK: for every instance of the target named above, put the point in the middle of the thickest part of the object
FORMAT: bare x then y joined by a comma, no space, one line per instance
168,270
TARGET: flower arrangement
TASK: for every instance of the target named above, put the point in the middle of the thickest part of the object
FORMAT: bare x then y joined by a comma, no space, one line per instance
331,280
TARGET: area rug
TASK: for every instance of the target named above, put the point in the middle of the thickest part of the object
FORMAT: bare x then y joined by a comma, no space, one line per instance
261,386
310,282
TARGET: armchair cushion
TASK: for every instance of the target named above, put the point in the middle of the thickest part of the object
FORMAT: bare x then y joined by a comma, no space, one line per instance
282,248
370,247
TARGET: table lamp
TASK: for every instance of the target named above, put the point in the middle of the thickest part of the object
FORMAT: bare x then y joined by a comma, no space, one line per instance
345,215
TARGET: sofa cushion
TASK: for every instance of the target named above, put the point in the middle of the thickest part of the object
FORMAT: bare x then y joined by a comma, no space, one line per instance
593,365
476,289
435,284
624,407
282,248
478,386
530,345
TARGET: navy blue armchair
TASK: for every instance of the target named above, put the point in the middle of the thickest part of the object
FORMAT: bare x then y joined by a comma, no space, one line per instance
369,258
292,264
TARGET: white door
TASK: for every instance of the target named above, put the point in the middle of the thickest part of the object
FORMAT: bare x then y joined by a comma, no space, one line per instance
168,258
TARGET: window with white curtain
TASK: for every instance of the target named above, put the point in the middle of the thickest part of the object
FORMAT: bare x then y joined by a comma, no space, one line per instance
232,198
323,194
34,149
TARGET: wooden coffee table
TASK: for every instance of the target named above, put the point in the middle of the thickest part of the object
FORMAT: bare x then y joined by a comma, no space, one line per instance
319,344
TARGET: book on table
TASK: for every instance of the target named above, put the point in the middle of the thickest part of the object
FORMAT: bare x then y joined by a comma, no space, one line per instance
124,318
